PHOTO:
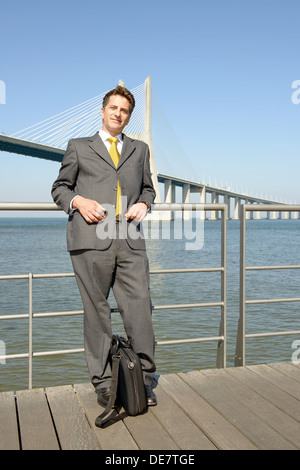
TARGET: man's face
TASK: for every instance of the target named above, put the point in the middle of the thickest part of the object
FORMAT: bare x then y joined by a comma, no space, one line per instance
115,115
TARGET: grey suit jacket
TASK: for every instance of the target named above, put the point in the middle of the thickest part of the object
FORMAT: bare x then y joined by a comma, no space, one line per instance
88,170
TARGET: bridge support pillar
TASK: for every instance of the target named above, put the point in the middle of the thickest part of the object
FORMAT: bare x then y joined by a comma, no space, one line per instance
214,200
257,215
283,215
186,198
169,198
237,203
227,201
272,215
247,213
202,201
251,214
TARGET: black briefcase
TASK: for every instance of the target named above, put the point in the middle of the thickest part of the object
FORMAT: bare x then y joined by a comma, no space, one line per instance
127,384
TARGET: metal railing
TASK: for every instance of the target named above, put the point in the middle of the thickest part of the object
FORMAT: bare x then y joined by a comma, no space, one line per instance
241,333
221,338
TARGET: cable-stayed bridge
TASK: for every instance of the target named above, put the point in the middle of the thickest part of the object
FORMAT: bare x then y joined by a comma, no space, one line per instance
48,140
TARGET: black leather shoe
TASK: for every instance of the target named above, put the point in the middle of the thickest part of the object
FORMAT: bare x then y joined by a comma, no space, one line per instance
103,395
151,397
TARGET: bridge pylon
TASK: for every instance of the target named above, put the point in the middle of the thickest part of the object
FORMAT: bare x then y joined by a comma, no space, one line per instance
145,135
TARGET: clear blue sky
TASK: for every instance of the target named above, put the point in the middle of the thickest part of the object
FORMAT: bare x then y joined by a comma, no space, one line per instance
221,70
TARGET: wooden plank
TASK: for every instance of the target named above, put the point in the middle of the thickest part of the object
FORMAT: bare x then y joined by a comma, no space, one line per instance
266,389
114,437
277,378
220,431
9,435
289,369
261,407
148,433
178,425
236,408
36,426
72,427
256,430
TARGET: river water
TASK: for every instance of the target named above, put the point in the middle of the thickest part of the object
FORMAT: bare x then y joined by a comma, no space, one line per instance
38,245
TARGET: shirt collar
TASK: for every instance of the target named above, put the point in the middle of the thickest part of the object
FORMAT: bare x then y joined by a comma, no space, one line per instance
105,135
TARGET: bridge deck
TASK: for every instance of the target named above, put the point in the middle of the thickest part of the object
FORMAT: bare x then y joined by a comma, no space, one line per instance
254,407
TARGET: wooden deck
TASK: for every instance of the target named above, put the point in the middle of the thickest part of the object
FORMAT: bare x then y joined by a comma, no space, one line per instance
254,407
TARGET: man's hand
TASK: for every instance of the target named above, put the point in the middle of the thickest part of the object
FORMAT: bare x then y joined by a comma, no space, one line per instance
137,212
90,210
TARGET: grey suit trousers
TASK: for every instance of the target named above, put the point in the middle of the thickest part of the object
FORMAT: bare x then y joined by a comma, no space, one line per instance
126,271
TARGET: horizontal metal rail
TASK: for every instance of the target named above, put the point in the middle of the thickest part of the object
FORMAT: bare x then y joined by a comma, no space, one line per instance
221,338
51,206
257,268
271,301
29,206
240,355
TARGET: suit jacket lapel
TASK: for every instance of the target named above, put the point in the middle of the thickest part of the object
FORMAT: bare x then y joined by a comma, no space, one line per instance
127,149
98,146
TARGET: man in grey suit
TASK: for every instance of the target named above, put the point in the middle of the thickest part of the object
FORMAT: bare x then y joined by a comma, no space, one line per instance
106,200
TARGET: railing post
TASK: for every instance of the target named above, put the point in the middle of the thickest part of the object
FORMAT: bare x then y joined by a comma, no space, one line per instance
240,339
30,331
221,353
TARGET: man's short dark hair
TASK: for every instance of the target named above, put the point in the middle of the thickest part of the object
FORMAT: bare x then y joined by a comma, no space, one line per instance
122,91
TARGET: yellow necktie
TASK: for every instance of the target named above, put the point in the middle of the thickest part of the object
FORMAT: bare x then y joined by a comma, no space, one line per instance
115,156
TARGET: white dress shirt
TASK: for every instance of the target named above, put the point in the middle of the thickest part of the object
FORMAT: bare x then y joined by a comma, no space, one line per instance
105,136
